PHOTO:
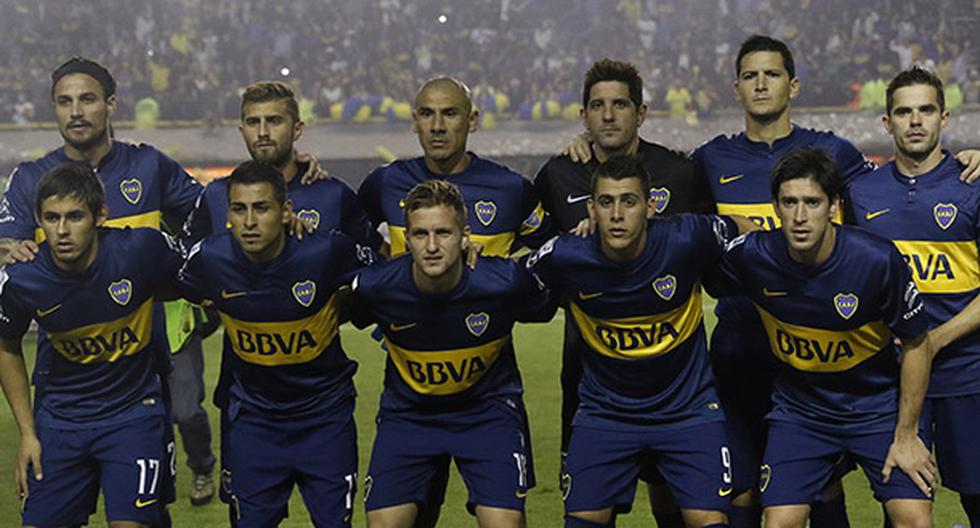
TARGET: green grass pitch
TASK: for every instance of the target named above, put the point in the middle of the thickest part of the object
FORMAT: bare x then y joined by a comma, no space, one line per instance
538,352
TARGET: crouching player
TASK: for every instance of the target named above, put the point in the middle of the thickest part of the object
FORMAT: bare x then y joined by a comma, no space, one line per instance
452,388
99,418
634,292
830,299
291,398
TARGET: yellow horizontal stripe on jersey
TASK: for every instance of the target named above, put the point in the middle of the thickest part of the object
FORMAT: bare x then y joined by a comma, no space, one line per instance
643,336
762,214
444,372
109,341
278,343
493,245
817,350
942,267
151,219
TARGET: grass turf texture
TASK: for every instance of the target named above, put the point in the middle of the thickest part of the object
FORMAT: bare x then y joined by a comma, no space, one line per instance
539,357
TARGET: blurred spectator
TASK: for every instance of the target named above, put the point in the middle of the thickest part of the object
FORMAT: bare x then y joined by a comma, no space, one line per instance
362,60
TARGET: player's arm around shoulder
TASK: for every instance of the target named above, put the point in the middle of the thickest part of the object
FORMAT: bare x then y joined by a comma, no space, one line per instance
532,300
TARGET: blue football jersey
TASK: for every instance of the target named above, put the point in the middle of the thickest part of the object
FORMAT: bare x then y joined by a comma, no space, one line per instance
830,327
451,351
327,204
646,361
503,210
281,342
739,172
934,219
142,185
100,325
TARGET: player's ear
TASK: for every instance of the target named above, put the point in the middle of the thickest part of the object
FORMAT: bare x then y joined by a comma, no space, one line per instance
415,122
794,87
474,120
298,128
651,207
110,103
834,207
102,216
287,211
641,114
465,244
590,207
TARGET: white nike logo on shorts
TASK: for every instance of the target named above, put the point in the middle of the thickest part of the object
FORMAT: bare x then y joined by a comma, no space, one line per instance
572,199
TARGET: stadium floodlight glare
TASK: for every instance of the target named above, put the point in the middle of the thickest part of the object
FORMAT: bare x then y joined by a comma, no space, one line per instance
284,71
443,19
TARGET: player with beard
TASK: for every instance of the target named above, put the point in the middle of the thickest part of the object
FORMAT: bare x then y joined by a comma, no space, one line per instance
612,114
933,218
270,126
143,188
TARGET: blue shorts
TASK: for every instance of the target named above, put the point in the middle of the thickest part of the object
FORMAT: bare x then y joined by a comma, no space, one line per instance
800,461
743,369
603,466
491,447
267,458
127,461
955,428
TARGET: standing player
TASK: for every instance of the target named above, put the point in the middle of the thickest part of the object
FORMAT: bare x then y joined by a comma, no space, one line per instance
634,293
612,114
291,392
452,389
830,299
99,420
506,212
270,126
738,169
144,188
919,202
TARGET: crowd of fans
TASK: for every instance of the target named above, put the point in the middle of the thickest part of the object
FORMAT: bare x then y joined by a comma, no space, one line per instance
361,60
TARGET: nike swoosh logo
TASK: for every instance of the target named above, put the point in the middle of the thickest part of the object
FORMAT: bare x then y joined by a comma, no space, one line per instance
586,296
723,180
520,494
144,504
724,492
574,199
49,311
869,215
398,328
225,294
769,293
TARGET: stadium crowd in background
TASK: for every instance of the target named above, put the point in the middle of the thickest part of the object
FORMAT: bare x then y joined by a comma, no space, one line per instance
353,61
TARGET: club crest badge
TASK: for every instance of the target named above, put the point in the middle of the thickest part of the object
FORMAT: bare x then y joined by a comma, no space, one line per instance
661,198
945,215
533,221
765,475
477,323
485,212
846,304
304,292
121,291
665,287
132,190
311,216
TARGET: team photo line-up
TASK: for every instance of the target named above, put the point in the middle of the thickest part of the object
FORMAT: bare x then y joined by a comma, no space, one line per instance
847,332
